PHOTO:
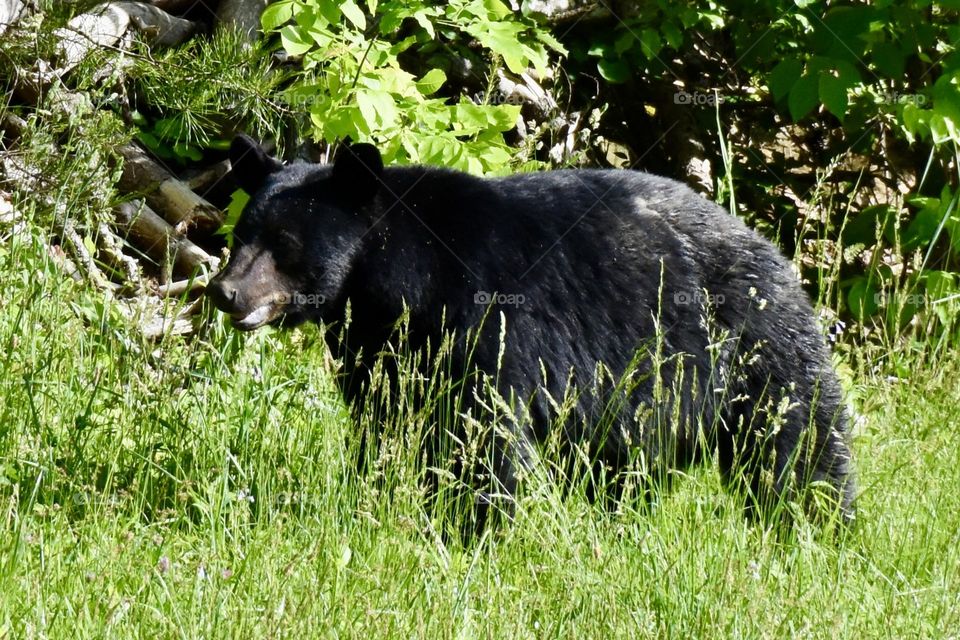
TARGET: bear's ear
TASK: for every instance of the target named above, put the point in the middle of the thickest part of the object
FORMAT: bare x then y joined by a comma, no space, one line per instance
358,168
250,164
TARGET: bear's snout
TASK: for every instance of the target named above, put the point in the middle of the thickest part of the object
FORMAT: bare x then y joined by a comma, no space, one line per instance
223,295
249,305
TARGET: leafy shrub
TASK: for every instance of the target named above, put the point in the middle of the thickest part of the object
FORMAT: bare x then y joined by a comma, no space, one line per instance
878,80
384,74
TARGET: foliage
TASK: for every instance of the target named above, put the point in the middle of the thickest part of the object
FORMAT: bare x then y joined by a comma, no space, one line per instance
192,98
379,73
864,78
894,64
636,43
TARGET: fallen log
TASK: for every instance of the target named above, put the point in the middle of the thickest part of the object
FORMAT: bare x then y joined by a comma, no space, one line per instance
206,179
182,287
158,239
155,228
157,318
178,204
111,247
79,250
170,197
526,91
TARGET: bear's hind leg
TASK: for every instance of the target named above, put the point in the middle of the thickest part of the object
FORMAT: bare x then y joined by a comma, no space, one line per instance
772,460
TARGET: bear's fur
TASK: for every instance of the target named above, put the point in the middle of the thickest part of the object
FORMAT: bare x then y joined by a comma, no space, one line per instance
567,269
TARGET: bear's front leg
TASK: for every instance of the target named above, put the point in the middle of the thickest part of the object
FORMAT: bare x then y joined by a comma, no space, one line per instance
509,459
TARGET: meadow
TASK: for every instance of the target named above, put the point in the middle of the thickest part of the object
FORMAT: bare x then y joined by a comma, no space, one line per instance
203,487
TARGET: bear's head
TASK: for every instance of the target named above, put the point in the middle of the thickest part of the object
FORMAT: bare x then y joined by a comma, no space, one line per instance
299,235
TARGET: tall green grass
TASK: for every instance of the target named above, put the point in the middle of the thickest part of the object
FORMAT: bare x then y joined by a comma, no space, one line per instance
206,487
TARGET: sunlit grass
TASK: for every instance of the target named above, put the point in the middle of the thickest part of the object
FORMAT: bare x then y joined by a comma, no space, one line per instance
205,488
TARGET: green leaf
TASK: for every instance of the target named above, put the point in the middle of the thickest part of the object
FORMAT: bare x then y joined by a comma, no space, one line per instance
496,155
187,151
713,20
469,118
537,55
238,200
915,121
473,118
650,42
672,34
803,96
437,150
152,143
276,14
615,71
329,10
783,77
391,80
322,37
336,122
354,14
433,115
431,81
862,298
90,245
424,21
503,38
922,229
502,117
689,17
946,108
868,226
390,21
497,9
888,59
939,284
833,94
294,41
940,128
378,108
848,73
842,33
623,43
602,49
548,39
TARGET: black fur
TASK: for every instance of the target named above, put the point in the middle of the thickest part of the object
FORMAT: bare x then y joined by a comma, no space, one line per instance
615,267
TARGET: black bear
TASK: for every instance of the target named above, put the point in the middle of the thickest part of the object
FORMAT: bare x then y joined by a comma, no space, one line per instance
676,330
